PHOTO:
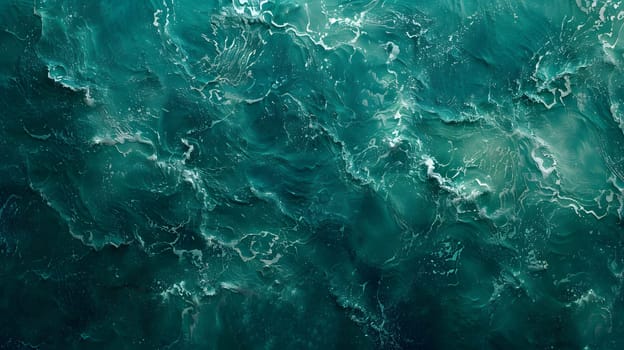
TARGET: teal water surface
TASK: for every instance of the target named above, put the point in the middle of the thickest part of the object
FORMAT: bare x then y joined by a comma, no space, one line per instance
289,174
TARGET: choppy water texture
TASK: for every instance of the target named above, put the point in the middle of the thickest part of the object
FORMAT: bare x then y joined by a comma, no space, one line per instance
288,174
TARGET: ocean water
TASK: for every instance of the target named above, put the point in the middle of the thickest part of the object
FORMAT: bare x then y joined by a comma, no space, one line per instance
330,174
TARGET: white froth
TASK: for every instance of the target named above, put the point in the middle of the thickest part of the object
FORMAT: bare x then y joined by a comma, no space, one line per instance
190,148
157,17
540,165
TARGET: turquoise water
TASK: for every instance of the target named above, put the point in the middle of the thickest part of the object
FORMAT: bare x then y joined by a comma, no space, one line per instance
266,174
